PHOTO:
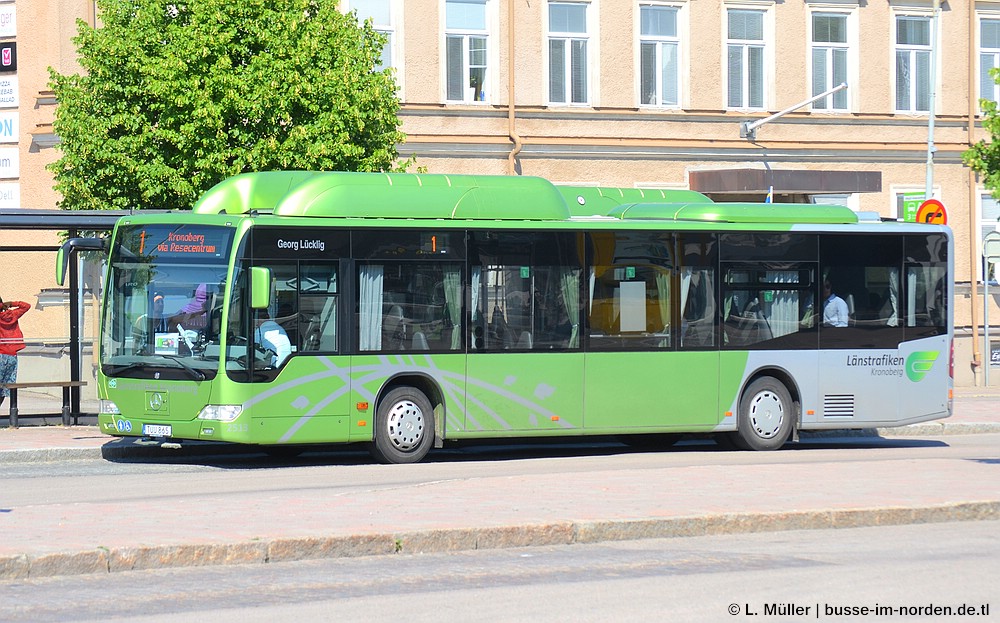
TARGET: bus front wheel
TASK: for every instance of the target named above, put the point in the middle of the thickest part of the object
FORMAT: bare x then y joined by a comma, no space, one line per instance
404,427
766,417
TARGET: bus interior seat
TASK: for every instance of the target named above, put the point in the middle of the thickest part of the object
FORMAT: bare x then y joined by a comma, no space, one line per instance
392,299
420,341
498,329
394,329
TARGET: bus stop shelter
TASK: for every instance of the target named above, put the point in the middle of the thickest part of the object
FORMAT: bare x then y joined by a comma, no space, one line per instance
74,223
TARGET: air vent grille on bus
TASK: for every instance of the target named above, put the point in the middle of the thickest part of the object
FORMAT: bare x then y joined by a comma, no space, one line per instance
838,405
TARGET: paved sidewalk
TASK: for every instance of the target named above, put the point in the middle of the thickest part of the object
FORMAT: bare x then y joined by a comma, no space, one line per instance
562,508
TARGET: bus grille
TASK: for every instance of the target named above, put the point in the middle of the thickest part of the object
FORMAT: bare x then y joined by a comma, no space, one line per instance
838,405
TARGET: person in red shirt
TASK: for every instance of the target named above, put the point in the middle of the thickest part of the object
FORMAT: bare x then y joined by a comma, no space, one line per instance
11,341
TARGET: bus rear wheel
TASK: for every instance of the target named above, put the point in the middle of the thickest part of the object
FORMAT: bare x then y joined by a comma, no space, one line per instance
766,417
404,427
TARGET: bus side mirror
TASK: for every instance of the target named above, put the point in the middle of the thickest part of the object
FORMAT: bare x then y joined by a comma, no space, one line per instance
75,244
260,287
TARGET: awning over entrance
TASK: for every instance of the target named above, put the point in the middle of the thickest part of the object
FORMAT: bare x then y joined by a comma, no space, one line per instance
784,181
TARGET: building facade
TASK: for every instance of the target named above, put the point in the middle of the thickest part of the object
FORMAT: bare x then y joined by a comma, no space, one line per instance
664,94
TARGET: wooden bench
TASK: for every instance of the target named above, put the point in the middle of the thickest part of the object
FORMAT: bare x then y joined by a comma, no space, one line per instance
65,385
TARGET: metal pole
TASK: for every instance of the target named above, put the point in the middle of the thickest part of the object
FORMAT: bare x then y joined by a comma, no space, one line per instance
75,350
991,258
986,325
748,129
929,189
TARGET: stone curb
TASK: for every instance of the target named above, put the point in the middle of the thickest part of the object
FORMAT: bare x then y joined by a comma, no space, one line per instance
113,560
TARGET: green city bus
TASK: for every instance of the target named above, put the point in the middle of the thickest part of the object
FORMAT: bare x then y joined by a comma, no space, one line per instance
408,311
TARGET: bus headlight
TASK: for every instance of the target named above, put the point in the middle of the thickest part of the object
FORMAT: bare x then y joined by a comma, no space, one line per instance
109,408
220,413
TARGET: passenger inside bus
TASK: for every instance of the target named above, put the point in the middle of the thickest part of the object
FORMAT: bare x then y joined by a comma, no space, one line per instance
194,315
835,310
272,337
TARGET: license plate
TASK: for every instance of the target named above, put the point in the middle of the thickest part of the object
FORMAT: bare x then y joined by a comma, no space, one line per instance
156,430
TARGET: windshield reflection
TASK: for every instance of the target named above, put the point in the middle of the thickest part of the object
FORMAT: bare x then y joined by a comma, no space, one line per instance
163,317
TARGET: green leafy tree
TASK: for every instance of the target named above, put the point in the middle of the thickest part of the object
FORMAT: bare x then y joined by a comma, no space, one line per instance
176,96
984,157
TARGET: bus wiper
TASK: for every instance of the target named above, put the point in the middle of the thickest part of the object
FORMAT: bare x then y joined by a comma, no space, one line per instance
194,373
118,368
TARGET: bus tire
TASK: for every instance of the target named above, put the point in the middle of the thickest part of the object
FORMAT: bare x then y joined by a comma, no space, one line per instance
766,417
404,427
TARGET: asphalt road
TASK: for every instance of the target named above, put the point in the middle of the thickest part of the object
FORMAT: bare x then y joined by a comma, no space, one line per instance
917,571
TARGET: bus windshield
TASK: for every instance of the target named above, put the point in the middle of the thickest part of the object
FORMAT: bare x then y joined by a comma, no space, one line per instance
163,313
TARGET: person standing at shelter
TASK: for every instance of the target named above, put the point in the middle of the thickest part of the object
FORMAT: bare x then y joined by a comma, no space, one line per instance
11,341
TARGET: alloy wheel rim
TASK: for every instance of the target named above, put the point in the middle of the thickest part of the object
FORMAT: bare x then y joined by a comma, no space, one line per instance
405,425
767,413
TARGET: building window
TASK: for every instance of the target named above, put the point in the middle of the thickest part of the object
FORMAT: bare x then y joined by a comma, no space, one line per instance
745,59
989,220
829,59
908,200
568,63
658,55
913,63
989,58
466,40
380,12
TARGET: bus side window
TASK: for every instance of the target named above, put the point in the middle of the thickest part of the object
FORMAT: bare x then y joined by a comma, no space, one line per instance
864,271
318,323
925,286
283,309
317,318
696,298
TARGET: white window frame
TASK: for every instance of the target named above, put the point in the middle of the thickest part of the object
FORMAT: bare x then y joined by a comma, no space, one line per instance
981,76
489,89
393,30
905,189
912,49
592,56
680,43
985,222
851,47
765,43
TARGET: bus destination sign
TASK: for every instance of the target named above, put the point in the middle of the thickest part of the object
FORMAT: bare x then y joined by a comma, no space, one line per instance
195,242
186,243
